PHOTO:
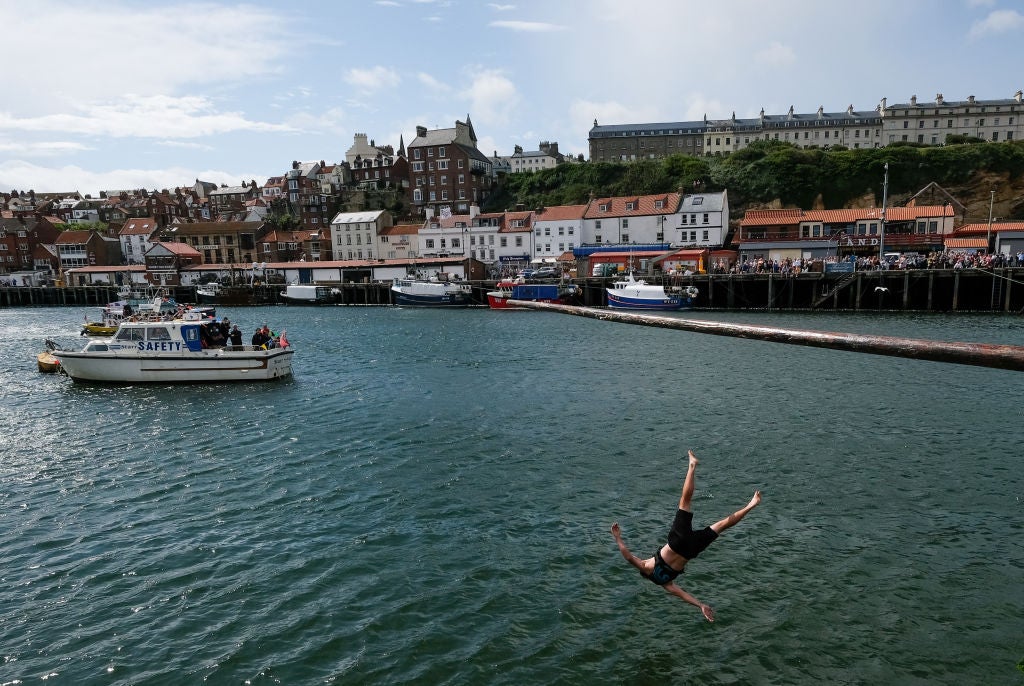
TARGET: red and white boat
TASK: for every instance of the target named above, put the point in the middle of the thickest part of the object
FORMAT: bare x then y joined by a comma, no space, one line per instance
558,293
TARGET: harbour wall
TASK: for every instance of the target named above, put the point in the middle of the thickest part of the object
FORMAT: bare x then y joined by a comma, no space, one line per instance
929,290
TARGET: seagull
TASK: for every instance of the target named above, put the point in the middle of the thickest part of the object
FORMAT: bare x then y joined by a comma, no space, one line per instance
883,289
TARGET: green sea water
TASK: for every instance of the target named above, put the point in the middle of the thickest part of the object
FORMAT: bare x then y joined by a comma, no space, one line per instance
428,501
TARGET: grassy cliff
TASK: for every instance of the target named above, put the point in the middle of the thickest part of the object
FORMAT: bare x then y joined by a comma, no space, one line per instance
771,173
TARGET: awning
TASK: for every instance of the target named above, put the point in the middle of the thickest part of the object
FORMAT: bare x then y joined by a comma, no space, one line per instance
966,243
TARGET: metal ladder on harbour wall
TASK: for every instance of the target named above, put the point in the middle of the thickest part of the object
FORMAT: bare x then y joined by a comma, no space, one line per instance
840,285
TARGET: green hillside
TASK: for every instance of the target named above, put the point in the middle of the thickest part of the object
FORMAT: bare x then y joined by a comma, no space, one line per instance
771,171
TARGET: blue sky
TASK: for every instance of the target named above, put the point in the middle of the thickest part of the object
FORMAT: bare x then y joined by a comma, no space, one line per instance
122,94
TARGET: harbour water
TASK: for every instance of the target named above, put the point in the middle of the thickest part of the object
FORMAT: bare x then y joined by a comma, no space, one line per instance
428,501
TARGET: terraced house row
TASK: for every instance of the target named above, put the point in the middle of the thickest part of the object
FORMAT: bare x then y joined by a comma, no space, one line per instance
916,121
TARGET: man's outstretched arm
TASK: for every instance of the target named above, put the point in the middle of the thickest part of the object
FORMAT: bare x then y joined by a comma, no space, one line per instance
706,610
630,557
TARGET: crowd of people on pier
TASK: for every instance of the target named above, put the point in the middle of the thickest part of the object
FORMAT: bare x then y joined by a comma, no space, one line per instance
949,259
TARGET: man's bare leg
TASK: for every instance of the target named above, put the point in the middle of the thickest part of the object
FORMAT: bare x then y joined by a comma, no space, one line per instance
734,519
630,557
684,499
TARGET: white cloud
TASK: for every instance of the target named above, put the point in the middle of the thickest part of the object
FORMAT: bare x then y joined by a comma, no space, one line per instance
387,3
583,112
42,148
373,78
21,174
184,145
135,49
500,8
492,97
432,83
156,116
999,21
528,26
776,55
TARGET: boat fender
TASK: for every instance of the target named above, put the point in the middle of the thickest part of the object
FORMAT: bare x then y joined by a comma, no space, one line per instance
691,292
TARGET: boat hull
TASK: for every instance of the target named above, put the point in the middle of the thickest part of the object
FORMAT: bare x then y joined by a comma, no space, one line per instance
539,293
669,302
48,364
215,365
445,300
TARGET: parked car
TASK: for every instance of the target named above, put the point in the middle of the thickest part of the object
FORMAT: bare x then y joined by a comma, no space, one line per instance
547,273
526,273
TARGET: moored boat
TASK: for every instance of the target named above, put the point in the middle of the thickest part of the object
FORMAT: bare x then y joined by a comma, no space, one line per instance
310,294
433,293
558,293
636,294
170,351
48,364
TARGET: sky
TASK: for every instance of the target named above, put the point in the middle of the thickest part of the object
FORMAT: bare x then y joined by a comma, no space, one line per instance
122,94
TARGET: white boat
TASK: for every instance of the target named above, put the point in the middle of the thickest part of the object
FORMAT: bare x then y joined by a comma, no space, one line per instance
310,294
433,293
171,351
208,293
636,294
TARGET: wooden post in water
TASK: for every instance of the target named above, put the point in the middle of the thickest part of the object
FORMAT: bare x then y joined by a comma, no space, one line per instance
978,354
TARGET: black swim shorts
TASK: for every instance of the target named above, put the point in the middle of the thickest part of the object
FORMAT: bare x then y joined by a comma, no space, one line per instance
684,540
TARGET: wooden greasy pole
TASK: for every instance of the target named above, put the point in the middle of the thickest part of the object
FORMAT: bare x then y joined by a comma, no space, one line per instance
977,354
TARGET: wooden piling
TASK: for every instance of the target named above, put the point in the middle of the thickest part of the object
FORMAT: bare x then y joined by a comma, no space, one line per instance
977,354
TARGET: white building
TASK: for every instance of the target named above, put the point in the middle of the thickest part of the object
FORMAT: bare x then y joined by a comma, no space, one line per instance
355,235
699,220
557,230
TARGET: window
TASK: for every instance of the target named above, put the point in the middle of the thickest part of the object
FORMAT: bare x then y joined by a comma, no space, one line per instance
442,164
658,204
416,154
625,223
430,152
603,207
462,178
440,153
631,205
597,238
873,229
705,217
460,164
597,226
705,235
430,244
417,166
906,124
625,238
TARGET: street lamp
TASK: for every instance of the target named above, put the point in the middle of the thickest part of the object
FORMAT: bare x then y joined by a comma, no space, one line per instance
988,236
885,197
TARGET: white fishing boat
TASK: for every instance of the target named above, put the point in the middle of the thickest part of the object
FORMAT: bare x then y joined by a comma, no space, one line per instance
636,294
171,351
310,294
432,293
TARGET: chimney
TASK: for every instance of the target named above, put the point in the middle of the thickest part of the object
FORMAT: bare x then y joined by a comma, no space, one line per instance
913,100
938,98
884,105
1017,96
430,213
849,109
790,115
474,211
421,131
821,112
970,99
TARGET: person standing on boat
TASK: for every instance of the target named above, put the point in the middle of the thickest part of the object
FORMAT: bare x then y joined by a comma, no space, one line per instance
235,336
683,545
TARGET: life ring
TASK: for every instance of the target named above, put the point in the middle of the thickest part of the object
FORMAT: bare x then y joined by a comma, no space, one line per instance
691,292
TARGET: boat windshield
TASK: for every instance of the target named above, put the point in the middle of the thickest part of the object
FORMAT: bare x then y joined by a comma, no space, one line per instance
130,333
159,333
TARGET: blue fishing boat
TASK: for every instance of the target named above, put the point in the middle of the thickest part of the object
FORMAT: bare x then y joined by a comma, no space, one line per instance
636,294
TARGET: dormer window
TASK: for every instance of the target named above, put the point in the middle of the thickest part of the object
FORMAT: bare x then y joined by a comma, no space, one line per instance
603,207
631,205
699,200
658,204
